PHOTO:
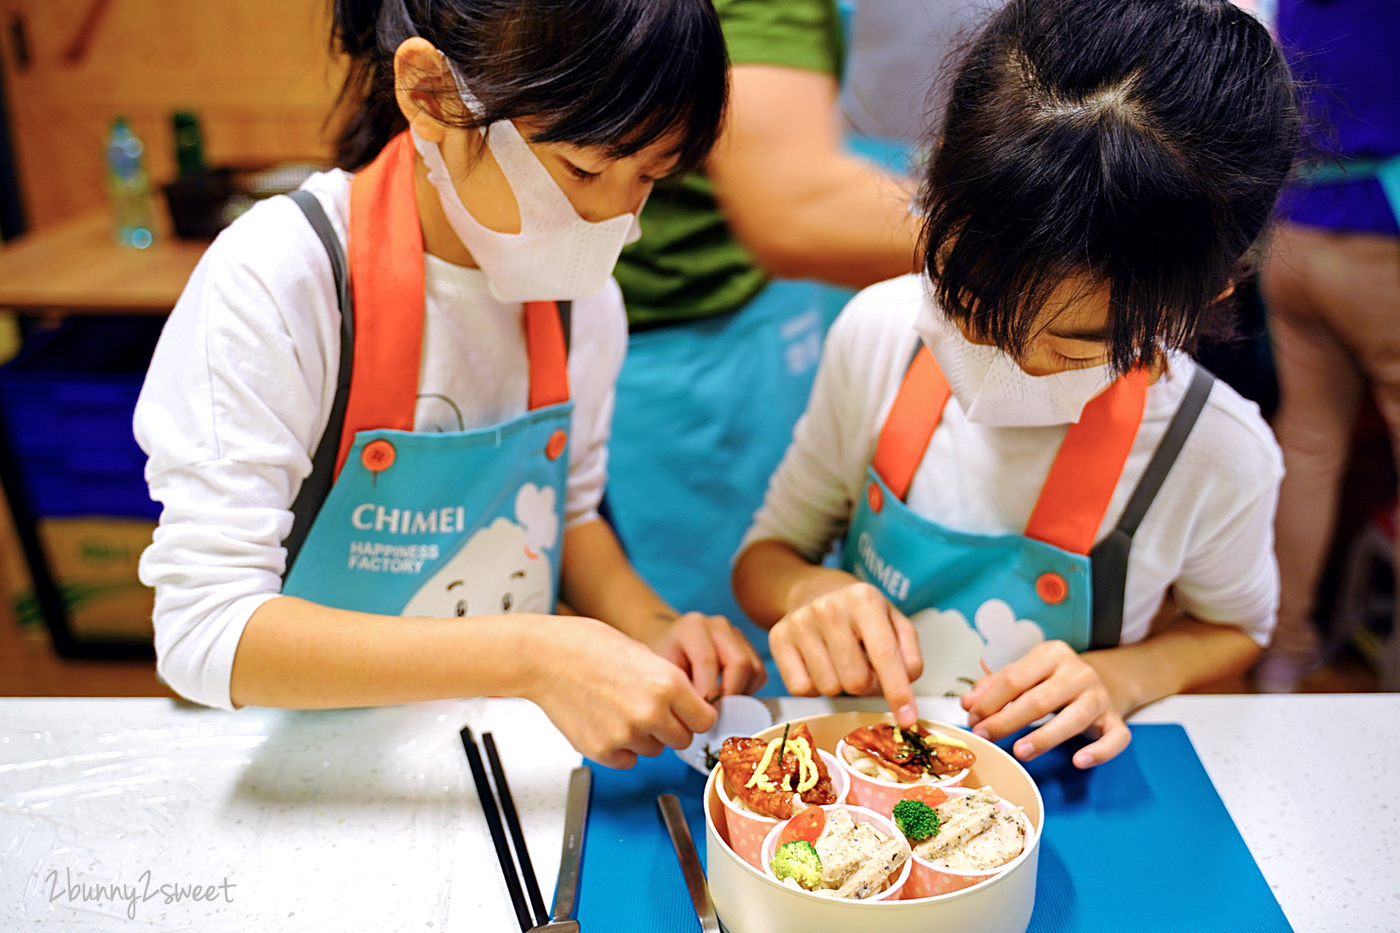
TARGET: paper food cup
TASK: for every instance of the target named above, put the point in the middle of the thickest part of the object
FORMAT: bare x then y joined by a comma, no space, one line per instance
881,795
859,815
746,830
930,880
749,901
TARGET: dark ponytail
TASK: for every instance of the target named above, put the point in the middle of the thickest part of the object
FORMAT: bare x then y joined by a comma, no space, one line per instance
620,74
1138,144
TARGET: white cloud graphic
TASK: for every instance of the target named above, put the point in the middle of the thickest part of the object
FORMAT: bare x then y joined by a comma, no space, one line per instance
1007,637
494,572
534,509
951,650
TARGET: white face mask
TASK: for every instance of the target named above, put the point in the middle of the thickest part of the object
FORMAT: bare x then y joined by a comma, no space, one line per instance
993,390
557,255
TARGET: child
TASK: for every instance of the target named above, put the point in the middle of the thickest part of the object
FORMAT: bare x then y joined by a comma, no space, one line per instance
1022,496
424,433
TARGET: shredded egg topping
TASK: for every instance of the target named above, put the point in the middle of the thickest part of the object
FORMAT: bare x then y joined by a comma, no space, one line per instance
806,767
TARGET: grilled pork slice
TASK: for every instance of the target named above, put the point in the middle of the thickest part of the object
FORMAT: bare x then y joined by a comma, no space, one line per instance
739,759
904,758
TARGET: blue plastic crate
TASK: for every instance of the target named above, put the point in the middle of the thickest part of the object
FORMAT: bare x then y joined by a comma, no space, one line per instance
68,401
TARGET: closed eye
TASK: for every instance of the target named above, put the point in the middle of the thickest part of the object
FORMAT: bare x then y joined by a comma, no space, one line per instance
582,174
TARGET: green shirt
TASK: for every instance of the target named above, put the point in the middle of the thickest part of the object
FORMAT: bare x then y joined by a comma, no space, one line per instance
688,263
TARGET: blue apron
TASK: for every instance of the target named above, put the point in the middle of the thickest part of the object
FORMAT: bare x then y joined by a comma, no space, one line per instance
994,597
424,524
705,410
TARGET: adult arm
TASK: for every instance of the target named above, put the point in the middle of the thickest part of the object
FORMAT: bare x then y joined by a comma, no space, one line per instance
794,197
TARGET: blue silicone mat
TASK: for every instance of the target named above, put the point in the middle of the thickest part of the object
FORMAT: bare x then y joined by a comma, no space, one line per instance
1142,843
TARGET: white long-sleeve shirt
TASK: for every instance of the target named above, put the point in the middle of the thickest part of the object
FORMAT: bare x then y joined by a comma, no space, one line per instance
1208,534
240,390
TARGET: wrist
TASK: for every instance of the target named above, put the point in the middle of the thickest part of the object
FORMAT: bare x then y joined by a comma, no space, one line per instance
1125,691
524,654
814,583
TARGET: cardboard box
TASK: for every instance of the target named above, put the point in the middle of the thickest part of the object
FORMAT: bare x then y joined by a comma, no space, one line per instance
94,562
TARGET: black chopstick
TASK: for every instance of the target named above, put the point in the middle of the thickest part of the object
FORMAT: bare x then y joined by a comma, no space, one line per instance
493,822
522,854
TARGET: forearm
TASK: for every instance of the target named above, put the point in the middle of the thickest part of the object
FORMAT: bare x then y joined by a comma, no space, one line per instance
843,220
1181,654
600,582
771,579
301,655
793,195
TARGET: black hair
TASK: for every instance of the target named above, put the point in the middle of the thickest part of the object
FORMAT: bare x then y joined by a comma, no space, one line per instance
1138,144
620,74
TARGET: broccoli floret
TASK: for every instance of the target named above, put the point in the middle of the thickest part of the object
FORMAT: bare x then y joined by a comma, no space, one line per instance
798,860
916,819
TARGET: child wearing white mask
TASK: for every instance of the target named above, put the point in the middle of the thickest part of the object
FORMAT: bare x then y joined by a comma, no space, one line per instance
378,417
1047,507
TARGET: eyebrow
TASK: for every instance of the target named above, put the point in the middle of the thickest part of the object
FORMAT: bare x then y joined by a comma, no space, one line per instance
454,583
518,573
1089,336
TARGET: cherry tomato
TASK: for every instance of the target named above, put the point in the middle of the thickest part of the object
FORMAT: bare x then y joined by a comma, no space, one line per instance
805,826
933,796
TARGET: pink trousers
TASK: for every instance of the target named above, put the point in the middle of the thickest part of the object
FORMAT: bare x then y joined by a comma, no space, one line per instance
1334,319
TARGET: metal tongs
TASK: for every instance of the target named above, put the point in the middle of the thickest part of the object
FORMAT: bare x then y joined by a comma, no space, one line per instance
561,919
670,807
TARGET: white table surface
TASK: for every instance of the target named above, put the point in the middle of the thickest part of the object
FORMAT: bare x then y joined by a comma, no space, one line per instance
368,819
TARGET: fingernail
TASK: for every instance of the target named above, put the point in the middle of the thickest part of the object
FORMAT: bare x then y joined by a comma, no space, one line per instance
1083,760
1024,749
907,713
981,732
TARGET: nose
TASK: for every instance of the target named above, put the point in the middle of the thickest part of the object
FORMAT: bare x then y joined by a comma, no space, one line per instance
623,199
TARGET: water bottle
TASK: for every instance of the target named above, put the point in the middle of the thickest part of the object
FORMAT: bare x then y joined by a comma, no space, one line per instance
131,191
189,144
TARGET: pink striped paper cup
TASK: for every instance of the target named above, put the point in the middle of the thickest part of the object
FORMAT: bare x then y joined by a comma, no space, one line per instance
747,829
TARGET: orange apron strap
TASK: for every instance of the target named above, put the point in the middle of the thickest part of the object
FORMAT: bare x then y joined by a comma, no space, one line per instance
549,356
1088,466
914,416
386,277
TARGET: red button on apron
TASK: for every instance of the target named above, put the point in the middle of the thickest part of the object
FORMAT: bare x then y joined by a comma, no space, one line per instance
556,444
378,456
875,497
1052,588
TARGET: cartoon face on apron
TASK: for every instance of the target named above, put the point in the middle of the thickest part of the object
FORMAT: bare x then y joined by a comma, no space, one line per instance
431,524
992,597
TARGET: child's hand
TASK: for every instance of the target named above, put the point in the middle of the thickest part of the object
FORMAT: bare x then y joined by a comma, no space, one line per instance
1051,678
611,696
711,651
849,640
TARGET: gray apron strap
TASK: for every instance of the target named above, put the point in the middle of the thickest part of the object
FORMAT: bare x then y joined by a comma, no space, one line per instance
1109,559
317,485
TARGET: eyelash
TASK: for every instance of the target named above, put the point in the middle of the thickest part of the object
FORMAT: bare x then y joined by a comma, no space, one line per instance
581,174
1071,360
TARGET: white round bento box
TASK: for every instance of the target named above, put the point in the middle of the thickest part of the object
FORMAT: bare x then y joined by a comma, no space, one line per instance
749,901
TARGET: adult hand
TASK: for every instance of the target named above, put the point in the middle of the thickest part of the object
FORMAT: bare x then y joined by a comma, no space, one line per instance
1050,678
611,696
711,651
849,640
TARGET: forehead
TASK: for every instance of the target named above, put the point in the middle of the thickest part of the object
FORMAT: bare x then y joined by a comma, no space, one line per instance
1077,308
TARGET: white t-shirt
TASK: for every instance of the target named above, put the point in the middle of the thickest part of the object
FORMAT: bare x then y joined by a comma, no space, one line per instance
240,390
1208,534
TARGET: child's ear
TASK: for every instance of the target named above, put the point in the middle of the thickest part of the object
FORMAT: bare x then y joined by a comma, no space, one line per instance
422,85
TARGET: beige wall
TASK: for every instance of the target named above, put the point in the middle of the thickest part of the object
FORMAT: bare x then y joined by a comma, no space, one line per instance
258,72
